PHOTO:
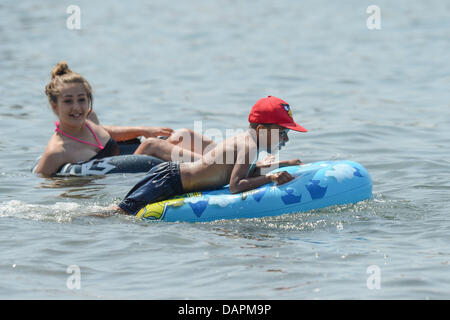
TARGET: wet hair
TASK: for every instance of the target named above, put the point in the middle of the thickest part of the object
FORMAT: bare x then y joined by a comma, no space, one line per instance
61,74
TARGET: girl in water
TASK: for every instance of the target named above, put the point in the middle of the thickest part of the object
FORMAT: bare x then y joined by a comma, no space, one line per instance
79,137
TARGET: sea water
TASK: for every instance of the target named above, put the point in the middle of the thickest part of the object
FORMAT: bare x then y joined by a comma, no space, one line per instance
377,94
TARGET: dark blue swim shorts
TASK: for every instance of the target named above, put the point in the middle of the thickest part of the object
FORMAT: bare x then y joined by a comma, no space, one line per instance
160,183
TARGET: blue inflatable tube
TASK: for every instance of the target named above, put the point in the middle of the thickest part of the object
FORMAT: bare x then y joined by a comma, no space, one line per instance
315,185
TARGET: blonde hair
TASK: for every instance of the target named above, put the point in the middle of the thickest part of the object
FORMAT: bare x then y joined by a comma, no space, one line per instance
61,74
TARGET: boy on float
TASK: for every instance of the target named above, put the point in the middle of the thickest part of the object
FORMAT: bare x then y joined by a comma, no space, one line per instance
270,120
78,136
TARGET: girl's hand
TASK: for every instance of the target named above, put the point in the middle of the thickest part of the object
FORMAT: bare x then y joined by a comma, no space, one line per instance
156,131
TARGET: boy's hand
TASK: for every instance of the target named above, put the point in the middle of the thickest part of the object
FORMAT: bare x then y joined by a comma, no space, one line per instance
279,177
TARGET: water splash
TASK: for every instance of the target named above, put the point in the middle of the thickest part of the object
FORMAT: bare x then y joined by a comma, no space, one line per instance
60,212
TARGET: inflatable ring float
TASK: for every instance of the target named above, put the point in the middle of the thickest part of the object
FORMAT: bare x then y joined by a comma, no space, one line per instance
315,185
126,162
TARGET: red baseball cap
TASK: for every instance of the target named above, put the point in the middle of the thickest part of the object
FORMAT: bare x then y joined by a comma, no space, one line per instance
274,110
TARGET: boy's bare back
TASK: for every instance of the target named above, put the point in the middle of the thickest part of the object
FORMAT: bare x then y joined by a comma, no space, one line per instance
227,162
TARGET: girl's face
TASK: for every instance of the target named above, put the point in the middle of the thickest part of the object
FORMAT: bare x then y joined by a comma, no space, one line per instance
72,106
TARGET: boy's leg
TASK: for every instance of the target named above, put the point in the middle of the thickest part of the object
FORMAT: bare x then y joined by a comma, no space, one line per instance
165,150
188,139
160,183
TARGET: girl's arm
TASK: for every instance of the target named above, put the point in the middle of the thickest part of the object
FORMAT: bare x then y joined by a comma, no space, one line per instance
120,133
50,163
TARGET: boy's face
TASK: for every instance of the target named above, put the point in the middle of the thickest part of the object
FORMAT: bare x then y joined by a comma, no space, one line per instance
273,136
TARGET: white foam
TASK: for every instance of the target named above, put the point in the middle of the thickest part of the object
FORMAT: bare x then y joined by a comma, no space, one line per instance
62,212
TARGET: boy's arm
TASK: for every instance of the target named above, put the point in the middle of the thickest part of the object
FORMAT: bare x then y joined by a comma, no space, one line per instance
269,161
269,164
238,182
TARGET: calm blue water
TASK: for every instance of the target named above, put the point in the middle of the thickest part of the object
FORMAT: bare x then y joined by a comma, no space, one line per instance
378,97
